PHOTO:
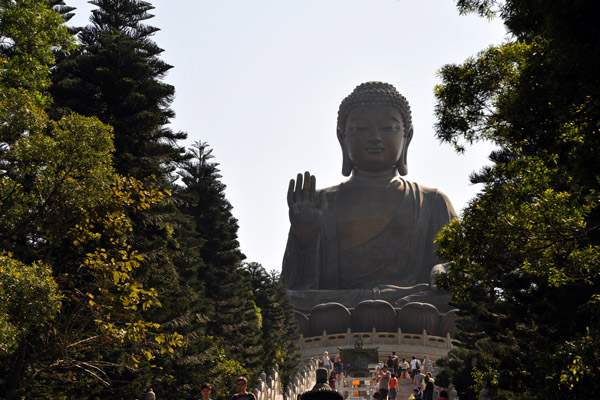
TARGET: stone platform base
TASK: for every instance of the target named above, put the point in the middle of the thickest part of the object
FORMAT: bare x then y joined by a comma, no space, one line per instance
404,344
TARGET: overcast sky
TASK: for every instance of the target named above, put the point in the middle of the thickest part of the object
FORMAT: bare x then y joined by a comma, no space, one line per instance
261,81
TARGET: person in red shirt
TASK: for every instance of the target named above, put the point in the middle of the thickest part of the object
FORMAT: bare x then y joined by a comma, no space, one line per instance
393,384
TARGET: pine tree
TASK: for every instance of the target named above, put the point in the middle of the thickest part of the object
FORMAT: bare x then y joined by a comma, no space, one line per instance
117,76
280,331
189,244
235,318
65,11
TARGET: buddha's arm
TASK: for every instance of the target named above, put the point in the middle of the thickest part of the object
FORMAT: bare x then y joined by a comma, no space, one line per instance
445,214
392,293
306,209
300,268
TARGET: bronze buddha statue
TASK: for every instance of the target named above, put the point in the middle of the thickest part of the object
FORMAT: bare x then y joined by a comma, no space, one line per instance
372,236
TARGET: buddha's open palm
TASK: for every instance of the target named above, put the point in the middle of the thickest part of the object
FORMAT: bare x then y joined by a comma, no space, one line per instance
306,207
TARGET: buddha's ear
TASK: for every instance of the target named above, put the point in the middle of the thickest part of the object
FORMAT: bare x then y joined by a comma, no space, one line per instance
346,164
403,161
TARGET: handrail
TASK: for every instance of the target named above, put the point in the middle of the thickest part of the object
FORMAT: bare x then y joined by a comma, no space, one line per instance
269,387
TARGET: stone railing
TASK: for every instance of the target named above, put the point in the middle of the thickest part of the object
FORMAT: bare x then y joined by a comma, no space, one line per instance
407,344
374,337
269,387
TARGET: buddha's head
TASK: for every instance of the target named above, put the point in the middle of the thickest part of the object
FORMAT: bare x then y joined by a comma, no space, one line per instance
374,128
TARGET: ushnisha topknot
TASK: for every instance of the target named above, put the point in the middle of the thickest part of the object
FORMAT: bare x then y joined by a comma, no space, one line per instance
374,93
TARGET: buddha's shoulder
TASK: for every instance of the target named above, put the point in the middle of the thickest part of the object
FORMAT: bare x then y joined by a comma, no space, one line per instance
399,184
331,190
425,192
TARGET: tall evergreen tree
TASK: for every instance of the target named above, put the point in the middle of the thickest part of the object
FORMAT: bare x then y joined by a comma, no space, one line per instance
65,11
189,245
280,331
69,294
116,76
235,318
525,254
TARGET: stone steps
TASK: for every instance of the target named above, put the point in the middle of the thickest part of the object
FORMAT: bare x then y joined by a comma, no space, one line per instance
405,389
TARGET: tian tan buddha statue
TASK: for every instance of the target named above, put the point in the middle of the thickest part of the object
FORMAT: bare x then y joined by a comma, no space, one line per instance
372,236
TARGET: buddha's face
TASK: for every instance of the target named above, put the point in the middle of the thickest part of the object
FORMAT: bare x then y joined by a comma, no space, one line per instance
374,138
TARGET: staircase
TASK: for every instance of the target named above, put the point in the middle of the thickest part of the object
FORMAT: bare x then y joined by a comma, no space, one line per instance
405,389
269,387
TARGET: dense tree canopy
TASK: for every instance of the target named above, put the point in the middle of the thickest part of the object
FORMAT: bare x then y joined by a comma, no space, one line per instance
234,317
116,75
66,269
113,278
525,254
280,333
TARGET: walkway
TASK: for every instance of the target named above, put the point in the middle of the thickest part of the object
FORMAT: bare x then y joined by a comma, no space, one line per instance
405,389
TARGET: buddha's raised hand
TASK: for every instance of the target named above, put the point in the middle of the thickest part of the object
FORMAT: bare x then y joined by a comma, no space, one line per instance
306,207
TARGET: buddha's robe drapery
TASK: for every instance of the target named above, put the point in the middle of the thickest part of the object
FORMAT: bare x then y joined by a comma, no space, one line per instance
401,254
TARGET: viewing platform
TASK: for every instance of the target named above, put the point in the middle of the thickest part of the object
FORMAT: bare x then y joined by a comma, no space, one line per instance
404,344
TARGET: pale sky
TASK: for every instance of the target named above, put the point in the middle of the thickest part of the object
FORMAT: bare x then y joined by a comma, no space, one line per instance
261,81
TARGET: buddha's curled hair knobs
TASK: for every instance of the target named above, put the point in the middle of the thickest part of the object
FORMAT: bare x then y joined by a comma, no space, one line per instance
376,94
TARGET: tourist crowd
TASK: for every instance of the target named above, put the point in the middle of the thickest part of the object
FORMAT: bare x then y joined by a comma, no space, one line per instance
387,378
390,374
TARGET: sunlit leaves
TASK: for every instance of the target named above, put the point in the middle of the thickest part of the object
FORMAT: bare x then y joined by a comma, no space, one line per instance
472,94
66,220
21,112
118,295
524,256
29,32
524,223
29,298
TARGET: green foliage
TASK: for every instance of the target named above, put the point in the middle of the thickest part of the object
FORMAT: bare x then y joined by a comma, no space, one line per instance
280,331
524,255
29,34
29,298
109,284
222,372
529,227
70,295
116,76
472,92
234,318
213,305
